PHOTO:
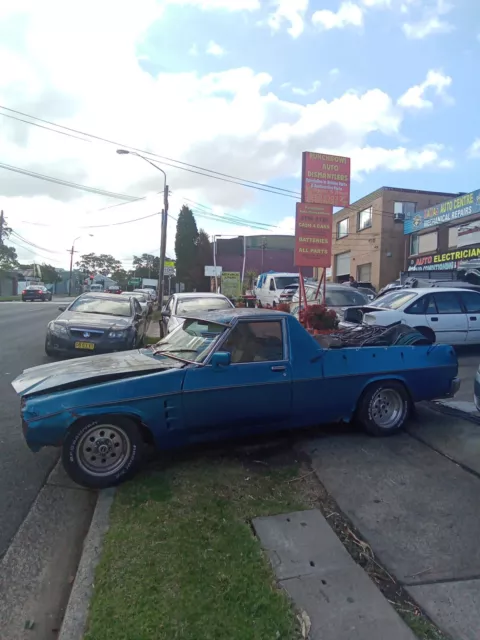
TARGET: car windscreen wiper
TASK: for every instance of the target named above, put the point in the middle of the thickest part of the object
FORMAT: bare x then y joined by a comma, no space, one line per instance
175,351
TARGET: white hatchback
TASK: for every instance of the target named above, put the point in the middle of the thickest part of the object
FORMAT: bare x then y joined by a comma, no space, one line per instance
451,316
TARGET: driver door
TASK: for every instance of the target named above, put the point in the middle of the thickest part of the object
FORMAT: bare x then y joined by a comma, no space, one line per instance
255,390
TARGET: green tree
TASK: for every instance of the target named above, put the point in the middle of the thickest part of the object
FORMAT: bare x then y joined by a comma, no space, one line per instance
121,277
146,265
186,241
49,274
8,255
103,264
204,257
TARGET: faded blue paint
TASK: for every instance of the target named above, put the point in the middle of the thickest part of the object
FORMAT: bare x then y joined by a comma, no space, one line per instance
195,403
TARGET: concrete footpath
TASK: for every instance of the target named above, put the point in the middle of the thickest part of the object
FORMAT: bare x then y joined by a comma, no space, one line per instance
37,572
336,596
415,499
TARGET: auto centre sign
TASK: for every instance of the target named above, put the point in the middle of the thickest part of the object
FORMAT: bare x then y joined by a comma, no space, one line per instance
448,211
445,261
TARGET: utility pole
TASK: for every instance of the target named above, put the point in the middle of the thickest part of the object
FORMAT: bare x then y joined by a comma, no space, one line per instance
163,247
72,251
2,222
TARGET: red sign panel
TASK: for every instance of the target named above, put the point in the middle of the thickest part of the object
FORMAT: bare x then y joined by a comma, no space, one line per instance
325,179
313,235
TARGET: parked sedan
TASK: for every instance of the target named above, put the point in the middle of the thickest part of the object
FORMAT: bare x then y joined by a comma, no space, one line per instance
32,293
338,297
143,299
445,315
182,304
113,289
96,323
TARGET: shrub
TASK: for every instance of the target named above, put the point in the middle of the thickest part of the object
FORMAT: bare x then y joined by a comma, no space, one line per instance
317,316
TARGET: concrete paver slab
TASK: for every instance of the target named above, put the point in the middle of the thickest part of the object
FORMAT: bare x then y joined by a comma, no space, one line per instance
338,596
291,542
410,503
456,438
40,564
453,606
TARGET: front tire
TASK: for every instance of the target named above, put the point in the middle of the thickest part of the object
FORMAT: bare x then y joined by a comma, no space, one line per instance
48,349
102,452
384,408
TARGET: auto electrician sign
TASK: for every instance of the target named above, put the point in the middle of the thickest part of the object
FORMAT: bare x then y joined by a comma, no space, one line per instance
448,211
444,261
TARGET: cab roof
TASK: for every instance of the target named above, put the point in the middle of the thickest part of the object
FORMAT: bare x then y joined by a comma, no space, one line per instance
229,316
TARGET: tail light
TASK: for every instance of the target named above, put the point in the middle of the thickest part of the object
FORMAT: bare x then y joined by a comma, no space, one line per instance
24,291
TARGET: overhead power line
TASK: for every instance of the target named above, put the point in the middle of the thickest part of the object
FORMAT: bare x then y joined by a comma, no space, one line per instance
66,183
179,164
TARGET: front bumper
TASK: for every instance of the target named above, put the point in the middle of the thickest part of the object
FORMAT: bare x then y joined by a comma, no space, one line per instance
66,344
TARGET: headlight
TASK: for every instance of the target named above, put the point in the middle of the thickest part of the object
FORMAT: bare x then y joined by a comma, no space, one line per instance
116,334
58,328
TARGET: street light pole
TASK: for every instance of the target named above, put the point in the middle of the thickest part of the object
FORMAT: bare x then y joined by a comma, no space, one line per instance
163,225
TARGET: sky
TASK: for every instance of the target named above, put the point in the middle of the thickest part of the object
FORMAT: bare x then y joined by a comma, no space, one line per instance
239,87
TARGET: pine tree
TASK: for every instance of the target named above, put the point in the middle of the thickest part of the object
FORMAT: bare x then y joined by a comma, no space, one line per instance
204,258
186,240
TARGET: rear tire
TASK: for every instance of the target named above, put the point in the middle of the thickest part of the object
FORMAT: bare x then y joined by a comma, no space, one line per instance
102,452
428,333
383,408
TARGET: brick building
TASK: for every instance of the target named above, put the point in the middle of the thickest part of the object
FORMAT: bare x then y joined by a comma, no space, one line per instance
368,236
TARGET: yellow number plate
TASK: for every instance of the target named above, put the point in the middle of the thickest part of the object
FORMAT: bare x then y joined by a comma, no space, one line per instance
85,345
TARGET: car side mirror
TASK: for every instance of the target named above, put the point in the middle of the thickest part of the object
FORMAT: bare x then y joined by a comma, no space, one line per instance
221,359
62,308
353,315
138,316
166,313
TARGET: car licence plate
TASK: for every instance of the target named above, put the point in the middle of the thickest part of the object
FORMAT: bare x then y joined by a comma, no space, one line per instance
85,345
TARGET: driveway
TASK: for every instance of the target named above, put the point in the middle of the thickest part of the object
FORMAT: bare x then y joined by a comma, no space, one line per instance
22,473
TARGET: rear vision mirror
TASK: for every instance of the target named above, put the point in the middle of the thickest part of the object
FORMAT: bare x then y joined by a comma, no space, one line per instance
62,307
353,315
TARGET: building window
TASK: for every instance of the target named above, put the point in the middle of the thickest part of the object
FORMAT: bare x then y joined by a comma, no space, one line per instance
404,210
427,242
364,272
342,265
342,228
413,244
365,219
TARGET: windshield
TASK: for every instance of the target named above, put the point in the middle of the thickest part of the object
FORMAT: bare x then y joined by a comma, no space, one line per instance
192,305
192,340
285,281
347,298
394,300
138,296
104,306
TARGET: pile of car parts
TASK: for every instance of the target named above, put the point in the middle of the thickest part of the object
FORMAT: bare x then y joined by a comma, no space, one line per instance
397,334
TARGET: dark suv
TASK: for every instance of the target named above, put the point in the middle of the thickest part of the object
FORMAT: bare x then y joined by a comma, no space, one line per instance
37,292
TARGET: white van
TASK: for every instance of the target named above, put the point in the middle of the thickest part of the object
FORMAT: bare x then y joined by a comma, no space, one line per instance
272,288
95,287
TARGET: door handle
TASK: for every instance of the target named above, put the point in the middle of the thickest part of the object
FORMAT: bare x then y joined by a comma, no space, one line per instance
279,368
473,317
434,319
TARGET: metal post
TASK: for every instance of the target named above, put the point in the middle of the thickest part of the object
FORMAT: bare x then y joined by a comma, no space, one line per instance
71,270
161,267
2,222
215,262
244,259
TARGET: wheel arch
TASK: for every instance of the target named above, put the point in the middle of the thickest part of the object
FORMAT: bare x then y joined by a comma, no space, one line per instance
105,413
385,378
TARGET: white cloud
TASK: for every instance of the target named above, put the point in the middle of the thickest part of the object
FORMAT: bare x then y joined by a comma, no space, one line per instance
306,92
348,14
292,12
474,149
368,159
212,5
334,72
231,121
214,49
414,97
431,22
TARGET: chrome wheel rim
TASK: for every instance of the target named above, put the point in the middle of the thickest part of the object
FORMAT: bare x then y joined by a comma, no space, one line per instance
386,408
103,449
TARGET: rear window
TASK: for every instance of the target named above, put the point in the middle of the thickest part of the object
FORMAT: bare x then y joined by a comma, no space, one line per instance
192,305
395,300
347,298
37,288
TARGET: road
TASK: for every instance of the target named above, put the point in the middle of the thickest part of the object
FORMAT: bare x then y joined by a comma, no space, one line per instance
22,473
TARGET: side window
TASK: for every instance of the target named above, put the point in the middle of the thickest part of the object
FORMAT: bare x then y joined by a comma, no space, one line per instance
272,284
170,305
431,307
255,342
310,292
471,300
136,305
448,302
419,306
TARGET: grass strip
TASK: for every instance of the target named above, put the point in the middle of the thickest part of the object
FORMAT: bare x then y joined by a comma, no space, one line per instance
180,559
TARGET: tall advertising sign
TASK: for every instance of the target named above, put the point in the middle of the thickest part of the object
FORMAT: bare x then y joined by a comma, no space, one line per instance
313,235
325,179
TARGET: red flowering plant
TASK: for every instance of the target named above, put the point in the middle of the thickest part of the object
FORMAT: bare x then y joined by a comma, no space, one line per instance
318,317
